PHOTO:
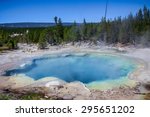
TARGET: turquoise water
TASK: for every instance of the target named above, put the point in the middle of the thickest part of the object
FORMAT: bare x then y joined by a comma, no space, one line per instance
87,69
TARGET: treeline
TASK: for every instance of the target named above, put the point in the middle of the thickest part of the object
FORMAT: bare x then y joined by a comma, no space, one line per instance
9,37
133,29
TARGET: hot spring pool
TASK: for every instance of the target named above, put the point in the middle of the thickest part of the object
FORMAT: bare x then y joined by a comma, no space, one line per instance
87,68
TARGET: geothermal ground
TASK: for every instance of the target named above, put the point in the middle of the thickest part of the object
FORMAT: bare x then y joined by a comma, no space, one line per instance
53,88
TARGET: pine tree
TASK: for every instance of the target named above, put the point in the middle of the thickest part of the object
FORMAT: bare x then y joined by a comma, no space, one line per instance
84,30
58,30
75,33
42,41
1,38
139,21
146,17
56,20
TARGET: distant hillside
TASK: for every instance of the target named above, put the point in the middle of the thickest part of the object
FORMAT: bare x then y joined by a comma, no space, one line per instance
30,25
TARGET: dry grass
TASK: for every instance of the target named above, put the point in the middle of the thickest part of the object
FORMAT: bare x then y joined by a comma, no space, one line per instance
147,96
4,48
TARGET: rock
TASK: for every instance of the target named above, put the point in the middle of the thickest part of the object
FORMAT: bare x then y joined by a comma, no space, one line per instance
54,83
14,82
48,82
20,81
74,90
4,82
147,85
67,97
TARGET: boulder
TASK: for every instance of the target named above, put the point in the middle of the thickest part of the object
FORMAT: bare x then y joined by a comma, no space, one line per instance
74,90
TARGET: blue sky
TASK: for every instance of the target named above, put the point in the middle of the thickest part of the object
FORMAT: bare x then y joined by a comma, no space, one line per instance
68,10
